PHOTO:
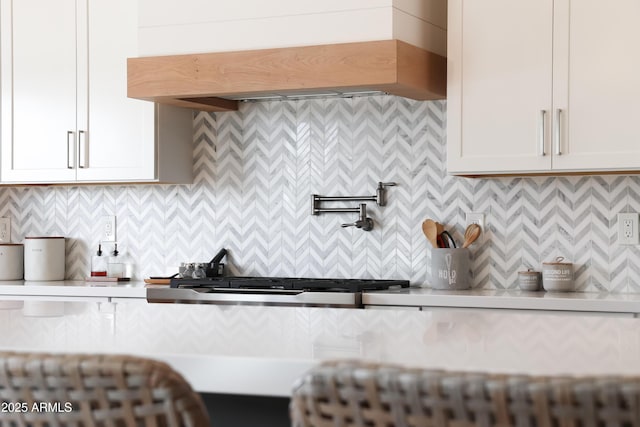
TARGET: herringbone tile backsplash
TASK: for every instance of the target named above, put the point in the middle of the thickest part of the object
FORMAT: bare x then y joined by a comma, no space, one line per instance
255,172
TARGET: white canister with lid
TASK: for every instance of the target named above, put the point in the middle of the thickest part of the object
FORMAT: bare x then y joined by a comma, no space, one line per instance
557,276
44,258
11,261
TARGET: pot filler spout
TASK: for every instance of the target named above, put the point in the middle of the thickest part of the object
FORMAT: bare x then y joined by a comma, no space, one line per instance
363,222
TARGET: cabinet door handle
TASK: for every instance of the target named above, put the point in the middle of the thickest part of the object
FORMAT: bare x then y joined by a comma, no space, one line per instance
558,131
71,143
542,132
82,149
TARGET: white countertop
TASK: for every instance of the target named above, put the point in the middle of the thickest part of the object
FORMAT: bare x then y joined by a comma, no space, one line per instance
507,299
261,350
406,297
67,289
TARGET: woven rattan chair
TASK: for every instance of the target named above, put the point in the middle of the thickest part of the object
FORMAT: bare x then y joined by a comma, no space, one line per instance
350,394
45,390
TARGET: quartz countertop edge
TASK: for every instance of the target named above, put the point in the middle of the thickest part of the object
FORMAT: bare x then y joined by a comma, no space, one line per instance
506,299
73,289
219,374
513,299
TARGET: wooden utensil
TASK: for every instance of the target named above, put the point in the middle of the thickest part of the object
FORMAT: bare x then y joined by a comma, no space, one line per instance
157,281
471,233
430,230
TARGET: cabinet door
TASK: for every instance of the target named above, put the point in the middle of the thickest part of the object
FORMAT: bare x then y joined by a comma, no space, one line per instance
598,85
38,69
118,141
499,86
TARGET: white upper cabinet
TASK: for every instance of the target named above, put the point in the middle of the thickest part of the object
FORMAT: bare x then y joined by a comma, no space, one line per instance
169,27
120,139
538,87
38,72
499,73
598,85
65,112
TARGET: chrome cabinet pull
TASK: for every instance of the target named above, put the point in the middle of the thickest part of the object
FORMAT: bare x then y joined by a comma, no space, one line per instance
82,149
71,143
542,132
558,132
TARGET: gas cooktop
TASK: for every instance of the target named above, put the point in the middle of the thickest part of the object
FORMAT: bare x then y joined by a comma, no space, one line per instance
215,288
287,283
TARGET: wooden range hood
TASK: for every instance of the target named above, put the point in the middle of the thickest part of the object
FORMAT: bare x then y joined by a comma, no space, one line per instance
216,81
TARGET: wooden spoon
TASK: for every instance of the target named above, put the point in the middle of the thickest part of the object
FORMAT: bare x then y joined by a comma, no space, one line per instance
471,234
440,228
430,230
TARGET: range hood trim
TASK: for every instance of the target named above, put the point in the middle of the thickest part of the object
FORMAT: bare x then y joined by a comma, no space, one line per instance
202,81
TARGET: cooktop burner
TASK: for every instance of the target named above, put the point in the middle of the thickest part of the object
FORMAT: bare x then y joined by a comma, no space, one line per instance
288,283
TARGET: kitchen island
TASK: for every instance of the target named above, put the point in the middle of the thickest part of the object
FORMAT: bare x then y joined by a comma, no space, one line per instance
261,350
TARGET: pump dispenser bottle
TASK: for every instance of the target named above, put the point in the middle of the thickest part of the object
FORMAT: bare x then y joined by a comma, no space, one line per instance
99,264
115,268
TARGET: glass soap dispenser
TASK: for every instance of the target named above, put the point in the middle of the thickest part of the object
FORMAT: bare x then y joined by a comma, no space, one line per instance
99,264
115,267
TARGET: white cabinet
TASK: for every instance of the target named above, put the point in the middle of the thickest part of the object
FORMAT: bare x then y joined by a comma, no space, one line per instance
499,69
541,87
65,112
38,71
597,85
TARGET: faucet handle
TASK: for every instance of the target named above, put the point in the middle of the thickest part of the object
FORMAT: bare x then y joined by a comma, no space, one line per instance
363,221
381,200
365,224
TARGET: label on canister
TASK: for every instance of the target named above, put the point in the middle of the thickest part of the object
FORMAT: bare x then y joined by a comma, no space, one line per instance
529,280
558,276
449,268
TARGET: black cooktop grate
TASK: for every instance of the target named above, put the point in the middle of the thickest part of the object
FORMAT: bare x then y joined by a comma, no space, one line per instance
289,283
